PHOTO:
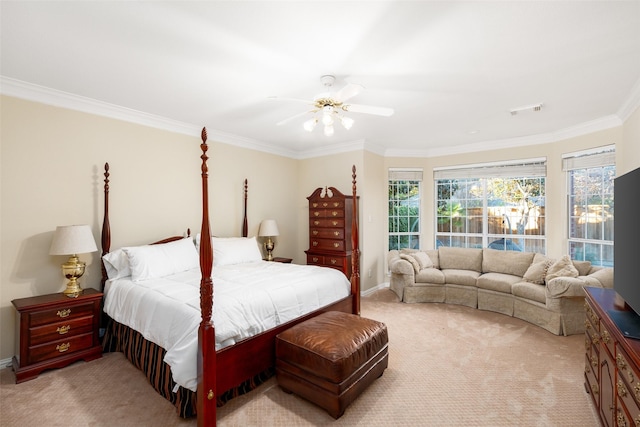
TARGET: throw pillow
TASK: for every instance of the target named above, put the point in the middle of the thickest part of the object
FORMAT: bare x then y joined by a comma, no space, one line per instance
561,268
537,272
412,261
423,260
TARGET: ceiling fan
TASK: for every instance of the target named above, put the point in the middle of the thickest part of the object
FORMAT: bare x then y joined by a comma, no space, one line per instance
332,107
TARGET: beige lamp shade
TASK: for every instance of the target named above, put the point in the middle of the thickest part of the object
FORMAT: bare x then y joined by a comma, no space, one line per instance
72,239
268,228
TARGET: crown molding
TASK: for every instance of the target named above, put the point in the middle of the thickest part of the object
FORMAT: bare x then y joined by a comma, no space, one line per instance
631,104
37,93
57,98
545,138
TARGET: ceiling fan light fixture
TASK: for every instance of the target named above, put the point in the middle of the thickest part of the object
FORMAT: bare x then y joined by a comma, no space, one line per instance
310,124
347,122
328,130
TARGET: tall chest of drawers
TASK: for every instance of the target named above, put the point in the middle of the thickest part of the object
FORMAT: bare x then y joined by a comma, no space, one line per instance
54,331
330,219
612,364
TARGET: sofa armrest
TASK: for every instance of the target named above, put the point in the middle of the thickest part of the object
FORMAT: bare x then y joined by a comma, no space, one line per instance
567,287
603,275
398,265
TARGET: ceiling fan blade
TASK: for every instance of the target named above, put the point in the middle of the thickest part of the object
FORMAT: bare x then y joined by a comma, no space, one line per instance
349,91
285,121
368,109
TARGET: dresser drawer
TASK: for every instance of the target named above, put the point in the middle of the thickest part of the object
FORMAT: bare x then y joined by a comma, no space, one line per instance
326,213
324,204
60,330
327,245
65,312
590,373
327,233
59,348
629,375
327,223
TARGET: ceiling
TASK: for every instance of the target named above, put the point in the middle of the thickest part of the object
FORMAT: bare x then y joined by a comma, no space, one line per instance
452,71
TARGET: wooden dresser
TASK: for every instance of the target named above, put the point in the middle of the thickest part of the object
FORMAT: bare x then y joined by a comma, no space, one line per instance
612,374
330,217
54,331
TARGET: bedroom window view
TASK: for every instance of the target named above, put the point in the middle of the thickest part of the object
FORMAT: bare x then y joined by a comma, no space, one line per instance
504,213
404,210
591,208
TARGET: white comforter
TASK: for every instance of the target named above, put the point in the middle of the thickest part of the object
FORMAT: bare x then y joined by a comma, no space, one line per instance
248,298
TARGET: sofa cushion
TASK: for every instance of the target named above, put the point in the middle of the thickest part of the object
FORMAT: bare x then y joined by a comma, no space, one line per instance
498,282
530,291
423,259
430,275
561,268
537,272
460,277
583,267
433,255
506,262
414,262
460,258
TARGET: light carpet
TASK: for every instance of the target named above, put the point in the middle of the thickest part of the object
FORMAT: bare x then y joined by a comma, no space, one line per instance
448,365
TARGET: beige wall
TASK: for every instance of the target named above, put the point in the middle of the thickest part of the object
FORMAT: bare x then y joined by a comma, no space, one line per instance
51,169
52,163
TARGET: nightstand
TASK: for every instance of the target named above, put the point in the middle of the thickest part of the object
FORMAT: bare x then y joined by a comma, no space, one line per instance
54,331
282,260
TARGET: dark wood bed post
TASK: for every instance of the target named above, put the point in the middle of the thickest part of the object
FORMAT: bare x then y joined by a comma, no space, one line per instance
355,251
206,393
245,226
106,227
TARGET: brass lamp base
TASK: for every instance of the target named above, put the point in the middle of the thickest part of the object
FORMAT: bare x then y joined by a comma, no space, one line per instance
269,245
73,269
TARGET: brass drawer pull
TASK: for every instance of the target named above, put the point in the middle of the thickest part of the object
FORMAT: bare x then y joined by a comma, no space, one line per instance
64,313
316,214
622,364
335,213
314,243
335,223
63,347
606,337
314,259
336,233
63,329
336,245
622,390
314,232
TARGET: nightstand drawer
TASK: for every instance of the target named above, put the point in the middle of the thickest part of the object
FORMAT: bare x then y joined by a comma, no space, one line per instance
66,312
60,330
59,348
54,330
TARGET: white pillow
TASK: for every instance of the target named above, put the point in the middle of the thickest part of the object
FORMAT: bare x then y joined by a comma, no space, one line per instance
117,264
152,261
235,250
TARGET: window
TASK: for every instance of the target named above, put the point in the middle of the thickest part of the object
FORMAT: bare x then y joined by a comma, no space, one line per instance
499,206
404,208
590,207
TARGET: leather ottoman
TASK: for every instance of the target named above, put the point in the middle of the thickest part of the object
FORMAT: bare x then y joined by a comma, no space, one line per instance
331,358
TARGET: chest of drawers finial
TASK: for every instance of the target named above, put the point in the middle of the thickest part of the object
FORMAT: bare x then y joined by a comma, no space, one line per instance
330,218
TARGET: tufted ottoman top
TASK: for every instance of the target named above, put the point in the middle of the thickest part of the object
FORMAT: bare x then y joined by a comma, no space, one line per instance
332,345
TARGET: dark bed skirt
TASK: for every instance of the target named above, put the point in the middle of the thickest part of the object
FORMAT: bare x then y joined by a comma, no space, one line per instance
149,358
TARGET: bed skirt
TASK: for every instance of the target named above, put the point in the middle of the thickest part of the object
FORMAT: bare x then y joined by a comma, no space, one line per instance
149,358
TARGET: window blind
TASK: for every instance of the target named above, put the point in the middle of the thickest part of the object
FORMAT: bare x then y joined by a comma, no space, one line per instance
405,174
537,168
586,160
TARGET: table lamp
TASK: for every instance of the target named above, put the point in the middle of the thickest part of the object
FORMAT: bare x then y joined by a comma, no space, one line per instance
269,229
73,240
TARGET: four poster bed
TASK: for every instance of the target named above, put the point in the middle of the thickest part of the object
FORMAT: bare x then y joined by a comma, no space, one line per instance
180,328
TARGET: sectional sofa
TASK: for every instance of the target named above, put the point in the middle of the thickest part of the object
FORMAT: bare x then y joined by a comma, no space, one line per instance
543,291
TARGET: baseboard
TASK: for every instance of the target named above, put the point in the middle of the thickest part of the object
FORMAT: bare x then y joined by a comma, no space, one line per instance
5,363
376,288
